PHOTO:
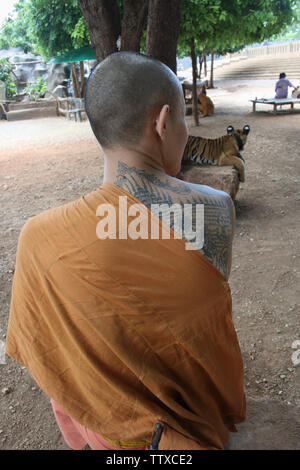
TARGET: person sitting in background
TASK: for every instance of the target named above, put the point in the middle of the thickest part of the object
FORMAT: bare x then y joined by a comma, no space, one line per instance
281,87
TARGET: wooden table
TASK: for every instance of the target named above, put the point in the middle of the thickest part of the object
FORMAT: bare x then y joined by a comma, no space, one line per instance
275,103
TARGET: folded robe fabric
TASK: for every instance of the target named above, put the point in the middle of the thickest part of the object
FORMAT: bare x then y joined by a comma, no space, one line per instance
124,333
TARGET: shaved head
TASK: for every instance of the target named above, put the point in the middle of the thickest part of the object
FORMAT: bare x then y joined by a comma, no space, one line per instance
122,93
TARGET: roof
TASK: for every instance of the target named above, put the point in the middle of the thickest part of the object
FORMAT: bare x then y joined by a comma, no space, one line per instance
77,55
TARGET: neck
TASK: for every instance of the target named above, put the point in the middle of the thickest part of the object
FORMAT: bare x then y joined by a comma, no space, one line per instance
139,158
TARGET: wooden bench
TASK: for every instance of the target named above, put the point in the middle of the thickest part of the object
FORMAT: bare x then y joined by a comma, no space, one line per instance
275,103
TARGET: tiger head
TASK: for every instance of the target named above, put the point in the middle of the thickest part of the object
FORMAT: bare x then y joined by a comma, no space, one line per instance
240,135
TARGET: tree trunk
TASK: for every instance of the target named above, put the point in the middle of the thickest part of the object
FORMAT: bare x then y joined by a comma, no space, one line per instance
75,83
134,15
162,31
82,82
211,82
200,65
194,89
102,19
205,63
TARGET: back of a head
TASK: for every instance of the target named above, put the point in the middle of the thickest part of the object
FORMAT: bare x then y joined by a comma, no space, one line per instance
282,75
123,91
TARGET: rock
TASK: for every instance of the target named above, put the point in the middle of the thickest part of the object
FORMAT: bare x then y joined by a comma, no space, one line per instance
224,178
40,70
58,74
28,67
6,390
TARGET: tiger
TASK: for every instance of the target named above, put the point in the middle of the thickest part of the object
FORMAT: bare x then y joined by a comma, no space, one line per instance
221,151
205,104
296,93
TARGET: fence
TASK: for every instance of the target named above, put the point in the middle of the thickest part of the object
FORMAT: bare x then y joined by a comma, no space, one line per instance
286,48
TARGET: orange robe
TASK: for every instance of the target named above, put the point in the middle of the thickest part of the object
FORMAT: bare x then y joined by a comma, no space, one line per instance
124,334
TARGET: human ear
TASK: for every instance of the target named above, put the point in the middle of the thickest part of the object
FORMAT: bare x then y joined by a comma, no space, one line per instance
161,121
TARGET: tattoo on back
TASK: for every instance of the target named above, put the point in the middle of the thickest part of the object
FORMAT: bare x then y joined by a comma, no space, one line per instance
162,189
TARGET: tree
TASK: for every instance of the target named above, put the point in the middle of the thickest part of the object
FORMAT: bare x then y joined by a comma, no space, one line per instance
107,19
50,29
133,23
59,26
198,18
292,32
194,89
55,27
233,24
102,19
14,31
256,20
163,30
45,27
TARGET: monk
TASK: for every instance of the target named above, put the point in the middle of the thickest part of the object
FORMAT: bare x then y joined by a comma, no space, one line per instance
120,312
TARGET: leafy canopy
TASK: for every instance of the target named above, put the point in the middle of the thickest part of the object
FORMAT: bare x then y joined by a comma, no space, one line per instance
52,27
47,27
14,30
291,32
225,25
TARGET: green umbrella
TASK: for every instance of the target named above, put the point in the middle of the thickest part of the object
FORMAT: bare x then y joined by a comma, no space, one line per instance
77,55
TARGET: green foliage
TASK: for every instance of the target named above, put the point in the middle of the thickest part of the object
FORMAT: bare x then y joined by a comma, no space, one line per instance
56,26
79,35
224,26
198,20
52,27
292,32
46,27
14,31
5,76
36,90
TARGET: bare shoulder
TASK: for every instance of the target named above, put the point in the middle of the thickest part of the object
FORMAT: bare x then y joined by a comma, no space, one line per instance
219,219
207,195
158,188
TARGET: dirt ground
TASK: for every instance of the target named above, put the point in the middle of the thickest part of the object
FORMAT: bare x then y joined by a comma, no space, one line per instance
49,162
